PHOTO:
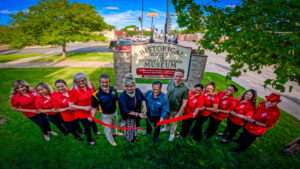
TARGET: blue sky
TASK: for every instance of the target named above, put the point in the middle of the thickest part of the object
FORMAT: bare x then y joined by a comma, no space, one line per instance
119,13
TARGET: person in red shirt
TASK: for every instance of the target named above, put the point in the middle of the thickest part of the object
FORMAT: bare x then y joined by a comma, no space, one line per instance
244,108
211,102
44,103
80,100
23,100
266,115
61,104
194,105
226,104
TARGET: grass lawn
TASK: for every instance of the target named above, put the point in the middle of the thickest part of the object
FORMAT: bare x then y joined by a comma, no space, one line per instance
6,58
90,56
22,144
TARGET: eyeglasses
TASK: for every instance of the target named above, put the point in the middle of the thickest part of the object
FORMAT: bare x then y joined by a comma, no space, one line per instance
80,81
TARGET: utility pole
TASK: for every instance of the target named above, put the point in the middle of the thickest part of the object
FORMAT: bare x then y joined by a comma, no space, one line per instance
167,21
142,20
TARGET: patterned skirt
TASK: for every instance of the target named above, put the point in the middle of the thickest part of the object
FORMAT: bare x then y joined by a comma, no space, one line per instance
131,134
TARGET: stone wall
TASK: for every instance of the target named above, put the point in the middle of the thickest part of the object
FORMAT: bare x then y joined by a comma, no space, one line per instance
197,67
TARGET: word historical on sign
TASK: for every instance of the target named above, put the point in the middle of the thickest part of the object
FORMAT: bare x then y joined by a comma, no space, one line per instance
159,60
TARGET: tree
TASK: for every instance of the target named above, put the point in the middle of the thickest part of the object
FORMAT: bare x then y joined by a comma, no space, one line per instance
57,22
257,34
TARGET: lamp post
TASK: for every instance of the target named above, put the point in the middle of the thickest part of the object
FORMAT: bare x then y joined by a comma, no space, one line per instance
167,21
152,15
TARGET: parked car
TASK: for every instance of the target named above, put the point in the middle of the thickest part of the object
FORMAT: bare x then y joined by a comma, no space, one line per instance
120,44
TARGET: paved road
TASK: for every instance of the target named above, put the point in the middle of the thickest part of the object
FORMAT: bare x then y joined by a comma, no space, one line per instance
215,63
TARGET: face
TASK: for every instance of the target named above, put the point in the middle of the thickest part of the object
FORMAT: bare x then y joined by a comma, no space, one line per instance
230,91
178,76
42,91
209,89
81,82
61,87
104,83
22,89
156,90
198,90
271,103
248,96
130,88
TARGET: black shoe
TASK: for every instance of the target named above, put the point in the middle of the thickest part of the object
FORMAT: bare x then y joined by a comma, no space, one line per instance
221,134
192,132
79,139
207,137
235,140
155,140
236,150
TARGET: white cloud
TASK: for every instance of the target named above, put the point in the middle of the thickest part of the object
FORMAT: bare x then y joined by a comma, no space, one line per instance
120,19
230,6
160,13
11,12
111,8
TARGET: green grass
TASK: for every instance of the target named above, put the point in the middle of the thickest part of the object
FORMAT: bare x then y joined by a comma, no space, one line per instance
91,56
6,58
22,144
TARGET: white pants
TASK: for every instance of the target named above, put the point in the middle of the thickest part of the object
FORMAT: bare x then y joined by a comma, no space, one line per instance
174,124
110,119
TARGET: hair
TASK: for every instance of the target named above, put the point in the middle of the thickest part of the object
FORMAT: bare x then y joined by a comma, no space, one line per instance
128,80
104,76
157,82
60,81
180,70
211,83
254,97
46,86
15,86
234,87
199,85
80,75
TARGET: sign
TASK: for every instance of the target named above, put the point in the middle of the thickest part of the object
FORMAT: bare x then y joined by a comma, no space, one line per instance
159,60
152,14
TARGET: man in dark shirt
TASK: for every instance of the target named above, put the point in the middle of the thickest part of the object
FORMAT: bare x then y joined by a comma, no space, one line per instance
105,100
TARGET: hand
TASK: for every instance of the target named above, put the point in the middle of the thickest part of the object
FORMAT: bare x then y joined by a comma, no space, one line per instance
72,108
177,115
90,119
141,115
36,111
232,113
54,110
249,119
144,111
217,111
87,108
195,114
161,119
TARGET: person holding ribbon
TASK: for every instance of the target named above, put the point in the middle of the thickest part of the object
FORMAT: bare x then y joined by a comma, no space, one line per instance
105,100
266,115
44,102
245,108
157,108
61,104
178,94
23,100
211,102
130,104
227,103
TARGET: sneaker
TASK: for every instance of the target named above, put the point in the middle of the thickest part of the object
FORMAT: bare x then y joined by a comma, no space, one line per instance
179,136
221,134
92,143
164,129
47,137
171,138
155,139
225,140
53,133
118,134
98,133
79,139
113,143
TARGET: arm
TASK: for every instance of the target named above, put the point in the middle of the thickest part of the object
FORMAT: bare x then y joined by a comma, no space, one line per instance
47,110
212,109
85,108
25,110
184,102
144,111
197,110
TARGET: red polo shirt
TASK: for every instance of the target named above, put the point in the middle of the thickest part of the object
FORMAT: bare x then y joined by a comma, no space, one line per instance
268,116
193,103
243,108
25,102
226,103
209,100
81,98
44,103
61,101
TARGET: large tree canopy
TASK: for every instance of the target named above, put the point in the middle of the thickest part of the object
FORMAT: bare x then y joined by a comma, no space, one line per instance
258,33
57,22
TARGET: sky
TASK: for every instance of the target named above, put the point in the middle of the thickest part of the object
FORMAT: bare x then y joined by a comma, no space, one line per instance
119,13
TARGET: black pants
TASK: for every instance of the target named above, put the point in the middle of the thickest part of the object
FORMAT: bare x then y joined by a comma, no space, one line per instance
57,119
42,122
87,129
154,120
71,128
94,126
231,129
246,139
212,127
77,126
186,125
198,127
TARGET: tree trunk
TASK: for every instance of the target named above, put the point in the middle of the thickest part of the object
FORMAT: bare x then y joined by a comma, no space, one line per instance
64,54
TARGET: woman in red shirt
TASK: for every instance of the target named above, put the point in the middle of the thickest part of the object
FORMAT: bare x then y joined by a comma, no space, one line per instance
80,100
61,104
226,104
194,105
23,100
244,108
211,102
45,104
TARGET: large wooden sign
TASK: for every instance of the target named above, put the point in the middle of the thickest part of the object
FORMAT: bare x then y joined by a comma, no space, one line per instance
159,60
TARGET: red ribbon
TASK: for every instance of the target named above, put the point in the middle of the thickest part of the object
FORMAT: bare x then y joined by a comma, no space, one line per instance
188,116
121,128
